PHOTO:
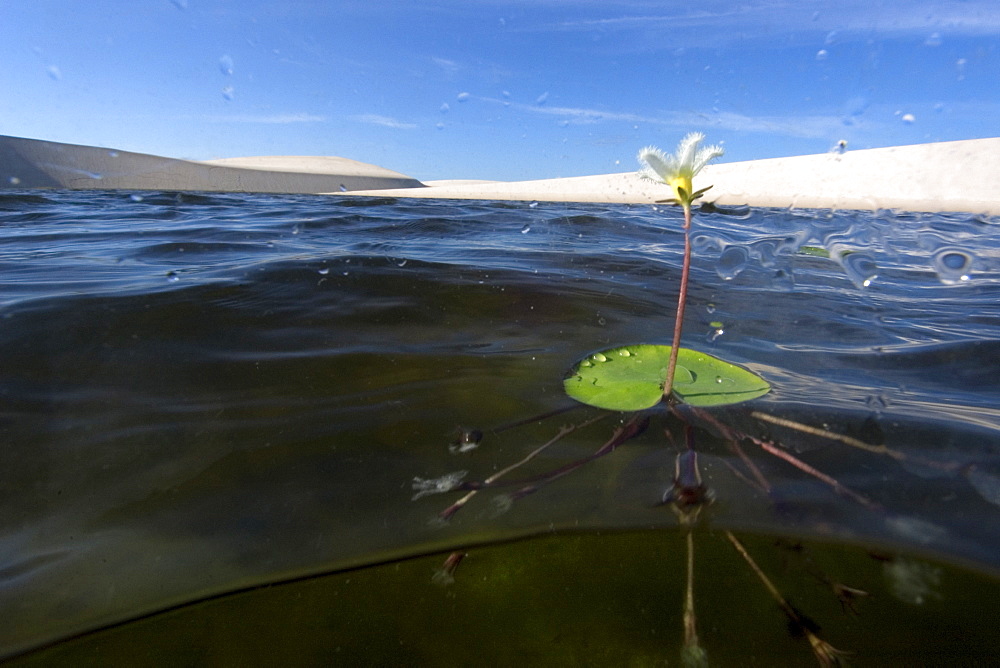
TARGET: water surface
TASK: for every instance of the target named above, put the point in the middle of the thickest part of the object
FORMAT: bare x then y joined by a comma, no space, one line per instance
207,392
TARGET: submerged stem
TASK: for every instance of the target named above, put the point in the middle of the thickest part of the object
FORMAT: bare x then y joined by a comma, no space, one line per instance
825,653
668,384
448,512
692,654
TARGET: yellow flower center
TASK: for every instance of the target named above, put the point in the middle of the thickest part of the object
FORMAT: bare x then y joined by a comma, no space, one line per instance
679,182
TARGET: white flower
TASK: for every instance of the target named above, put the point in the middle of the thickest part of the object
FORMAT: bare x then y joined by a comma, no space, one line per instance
678,170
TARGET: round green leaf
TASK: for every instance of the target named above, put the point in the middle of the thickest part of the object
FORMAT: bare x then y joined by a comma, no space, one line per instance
630,378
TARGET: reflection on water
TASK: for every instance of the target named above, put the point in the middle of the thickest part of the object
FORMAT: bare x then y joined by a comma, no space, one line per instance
204,393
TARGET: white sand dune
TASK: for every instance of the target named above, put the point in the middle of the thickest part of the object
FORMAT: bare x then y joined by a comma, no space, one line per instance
946,176
33,163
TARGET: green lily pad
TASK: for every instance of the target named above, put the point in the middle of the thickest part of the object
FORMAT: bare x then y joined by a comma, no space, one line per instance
630,378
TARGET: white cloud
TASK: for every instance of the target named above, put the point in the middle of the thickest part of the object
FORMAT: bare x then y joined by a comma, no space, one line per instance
269,119
449,66
716,22
386,121
817,126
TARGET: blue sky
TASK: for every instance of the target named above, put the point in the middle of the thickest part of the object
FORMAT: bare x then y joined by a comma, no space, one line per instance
497,89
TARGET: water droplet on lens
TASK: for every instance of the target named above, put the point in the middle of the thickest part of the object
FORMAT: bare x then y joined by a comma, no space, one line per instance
14,181
984,482
732,261
876,402
525,229
226,65
860,268
952,265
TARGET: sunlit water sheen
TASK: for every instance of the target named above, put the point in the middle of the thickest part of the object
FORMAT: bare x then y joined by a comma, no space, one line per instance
205,392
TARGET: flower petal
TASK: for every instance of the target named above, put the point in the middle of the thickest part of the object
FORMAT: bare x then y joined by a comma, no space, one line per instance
686,151
706,155
656,165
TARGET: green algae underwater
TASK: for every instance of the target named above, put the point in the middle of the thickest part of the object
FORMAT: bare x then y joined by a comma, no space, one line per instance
594,599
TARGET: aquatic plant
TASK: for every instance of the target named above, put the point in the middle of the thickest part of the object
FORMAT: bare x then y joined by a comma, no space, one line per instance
684,386
640,376
678,171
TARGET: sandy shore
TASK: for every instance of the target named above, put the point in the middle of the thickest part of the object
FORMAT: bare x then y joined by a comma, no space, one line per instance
945,176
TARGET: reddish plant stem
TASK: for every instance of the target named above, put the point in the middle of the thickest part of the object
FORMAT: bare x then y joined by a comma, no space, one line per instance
668,384
819,475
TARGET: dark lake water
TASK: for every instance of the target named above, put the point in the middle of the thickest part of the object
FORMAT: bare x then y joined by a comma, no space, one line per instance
205,393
